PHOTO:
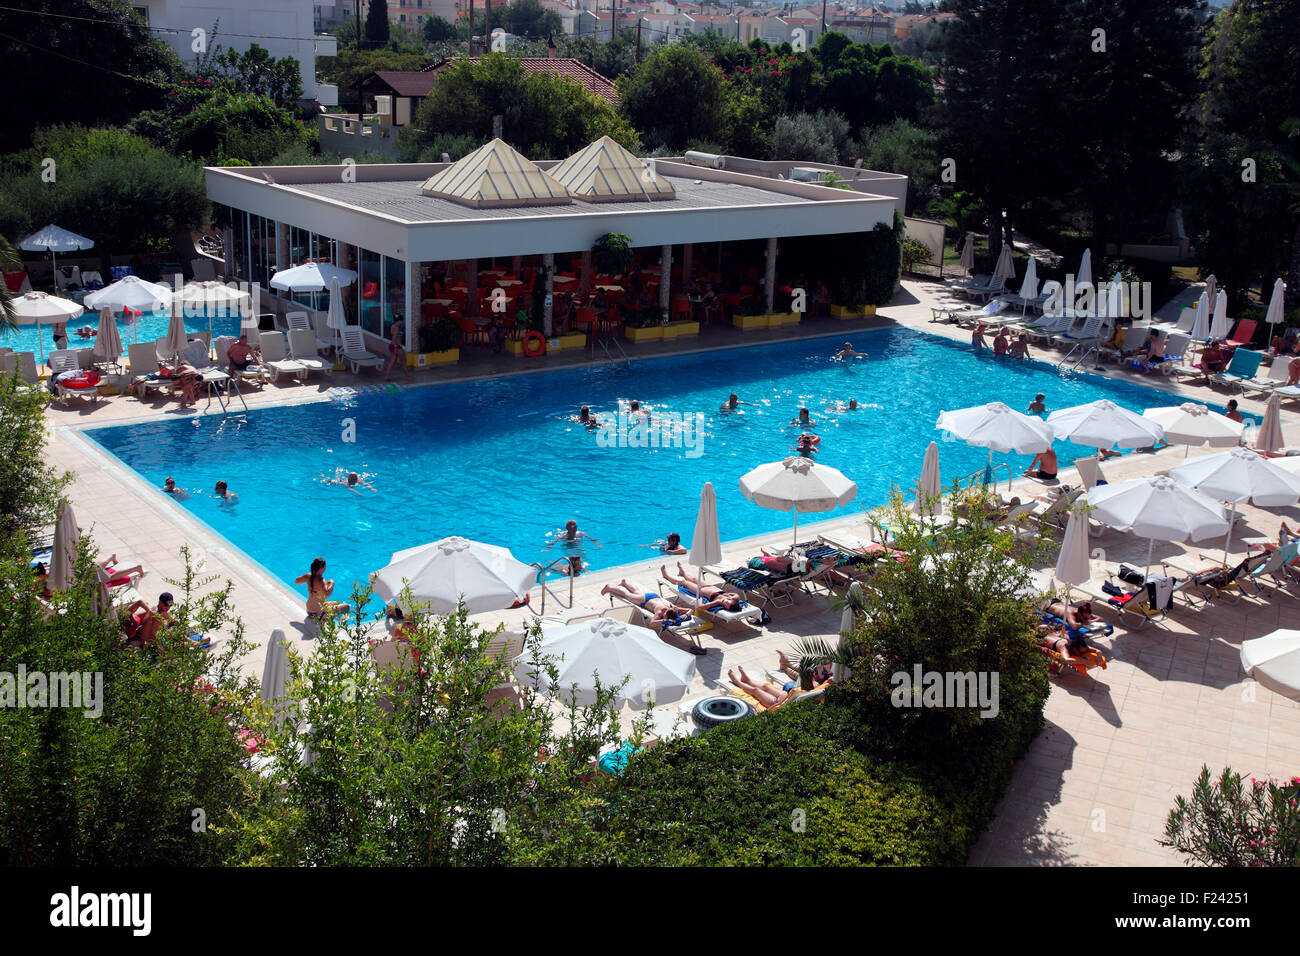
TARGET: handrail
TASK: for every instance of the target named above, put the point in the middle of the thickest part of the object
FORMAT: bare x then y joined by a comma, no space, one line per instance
975,476
554,565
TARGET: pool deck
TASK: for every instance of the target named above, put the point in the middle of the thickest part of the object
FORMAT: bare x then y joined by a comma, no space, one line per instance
1117,748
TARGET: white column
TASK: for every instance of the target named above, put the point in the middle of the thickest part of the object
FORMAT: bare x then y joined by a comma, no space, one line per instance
548,263
769,281
665,277
282,246
411,300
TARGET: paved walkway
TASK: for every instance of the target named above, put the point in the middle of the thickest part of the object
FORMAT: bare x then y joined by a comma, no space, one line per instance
1095,785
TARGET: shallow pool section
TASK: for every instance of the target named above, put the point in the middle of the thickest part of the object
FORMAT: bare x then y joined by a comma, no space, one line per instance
503,461
148,327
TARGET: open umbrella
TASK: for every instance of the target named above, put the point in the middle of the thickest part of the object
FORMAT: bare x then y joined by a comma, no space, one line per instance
311,277
967,260
1103,424
929,489
1072,565
443,573
1239,475
42,308
798,485
706,542
611,651
130,292
213,297
1157,508
1005,268
1220,326
1275,303
1192,424
108,341
1269,440
997,427
1274,661
1085,269
64,558
54,240
1201,327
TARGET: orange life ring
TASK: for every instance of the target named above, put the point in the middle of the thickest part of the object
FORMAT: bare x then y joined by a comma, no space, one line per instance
534,344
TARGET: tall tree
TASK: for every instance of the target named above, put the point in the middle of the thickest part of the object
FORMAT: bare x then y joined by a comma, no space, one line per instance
377,23
675,98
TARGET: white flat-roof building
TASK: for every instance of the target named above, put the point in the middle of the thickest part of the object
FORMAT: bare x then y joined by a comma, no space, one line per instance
392,222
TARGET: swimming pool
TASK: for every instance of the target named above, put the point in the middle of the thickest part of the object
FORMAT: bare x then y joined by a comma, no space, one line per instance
501,461
148,327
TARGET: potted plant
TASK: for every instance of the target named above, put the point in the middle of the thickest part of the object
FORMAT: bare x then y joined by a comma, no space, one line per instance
611,254
439,344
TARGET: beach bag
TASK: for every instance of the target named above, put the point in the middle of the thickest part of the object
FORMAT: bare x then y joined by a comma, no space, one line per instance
1130,576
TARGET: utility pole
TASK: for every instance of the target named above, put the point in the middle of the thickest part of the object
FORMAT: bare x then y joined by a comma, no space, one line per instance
471,27
823,16
361,102
639,20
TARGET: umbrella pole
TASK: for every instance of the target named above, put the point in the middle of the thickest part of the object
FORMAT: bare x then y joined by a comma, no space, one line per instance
1232,514
1151,543
796,528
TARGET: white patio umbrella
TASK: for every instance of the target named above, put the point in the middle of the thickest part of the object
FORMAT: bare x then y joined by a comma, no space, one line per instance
1274,661
929,487
997,427
797,484
706,542
176,338
335,318
54,240
41,308
1239,475
108,341
1029,287
1103,424
967,260
275,674
1005,268
442,573
213,296
130,292
1085,269
311,277
1072,564
611,650
64,558
1201,327
1192,424
1274,315
1157,508
1269,440
1220,326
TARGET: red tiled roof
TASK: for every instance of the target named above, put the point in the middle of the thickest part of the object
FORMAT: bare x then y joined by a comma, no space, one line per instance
575,70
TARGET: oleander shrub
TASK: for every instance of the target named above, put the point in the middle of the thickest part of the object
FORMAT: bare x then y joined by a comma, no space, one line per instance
1226,822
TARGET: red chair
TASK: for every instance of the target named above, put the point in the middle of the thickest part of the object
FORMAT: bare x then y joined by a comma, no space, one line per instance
584,319
730,303
1245,331
681,309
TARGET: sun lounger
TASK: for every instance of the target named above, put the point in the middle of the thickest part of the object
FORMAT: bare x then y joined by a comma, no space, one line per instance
1056,513
1242,368
355,353
1242,335
971,317
302,346
24,363
1089,470
1082,662
689,600
764,588
685,626
277,360
1265,380
71,379
1135,342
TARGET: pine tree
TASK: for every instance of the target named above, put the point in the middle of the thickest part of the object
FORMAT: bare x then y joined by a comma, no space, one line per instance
377,23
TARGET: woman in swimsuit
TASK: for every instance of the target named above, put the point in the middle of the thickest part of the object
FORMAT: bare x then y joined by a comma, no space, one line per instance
1079,618
771,699
395,351
646,600
715,597
319,590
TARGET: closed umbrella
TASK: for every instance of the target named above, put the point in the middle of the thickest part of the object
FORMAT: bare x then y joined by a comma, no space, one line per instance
1005,269
1269,441
610,651
798,485
1158,508
1029,288
54,240
706,542
176,338
1201,327
929,489
967,260
1192,424
1275,313
443,573
66,538
1072,565
336,319
1236,476
275,674
1220,326
1085,269
41,308
108,341
1103,424
1274,661
311,277
1211,288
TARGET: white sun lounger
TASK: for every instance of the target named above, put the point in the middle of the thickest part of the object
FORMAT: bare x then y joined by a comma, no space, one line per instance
355,352
688,599
276,359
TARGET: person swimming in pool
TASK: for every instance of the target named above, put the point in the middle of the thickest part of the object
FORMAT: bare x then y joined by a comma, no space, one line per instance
803,421
673,545
634,408
227,496
733,401
807,445
352,481
573,541
846,352
586,418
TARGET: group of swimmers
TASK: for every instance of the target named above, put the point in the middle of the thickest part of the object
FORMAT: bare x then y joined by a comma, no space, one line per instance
222,492
1003,344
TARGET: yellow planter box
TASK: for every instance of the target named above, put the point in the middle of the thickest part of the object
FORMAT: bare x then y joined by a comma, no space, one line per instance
784,318
574,340
747,323
676,330
651,334
426,359
844,312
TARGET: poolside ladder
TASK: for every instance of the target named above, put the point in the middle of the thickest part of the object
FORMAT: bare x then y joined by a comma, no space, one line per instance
556,564
605,347
977,477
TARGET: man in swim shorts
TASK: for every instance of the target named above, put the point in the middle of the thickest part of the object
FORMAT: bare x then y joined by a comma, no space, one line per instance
1043,467
660,608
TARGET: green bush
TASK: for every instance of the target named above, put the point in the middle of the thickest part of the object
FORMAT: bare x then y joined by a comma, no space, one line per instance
1226,823
442,335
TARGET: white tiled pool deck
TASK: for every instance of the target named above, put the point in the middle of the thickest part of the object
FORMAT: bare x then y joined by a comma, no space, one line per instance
1095,786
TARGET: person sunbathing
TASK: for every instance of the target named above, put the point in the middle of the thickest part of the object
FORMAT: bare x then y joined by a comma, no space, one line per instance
1070,649
818,674
714,597
660,608
119,576
769,697
767,561
1155,354
145,622
187,378
1078,619
242,357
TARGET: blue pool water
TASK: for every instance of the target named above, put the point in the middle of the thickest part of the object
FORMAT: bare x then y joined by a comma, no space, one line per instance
501,461
148,327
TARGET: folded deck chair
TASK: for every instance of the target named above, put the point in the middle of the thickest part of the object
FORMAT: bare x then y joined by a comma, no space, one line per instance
1242,368
355,353
277,360
302,346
